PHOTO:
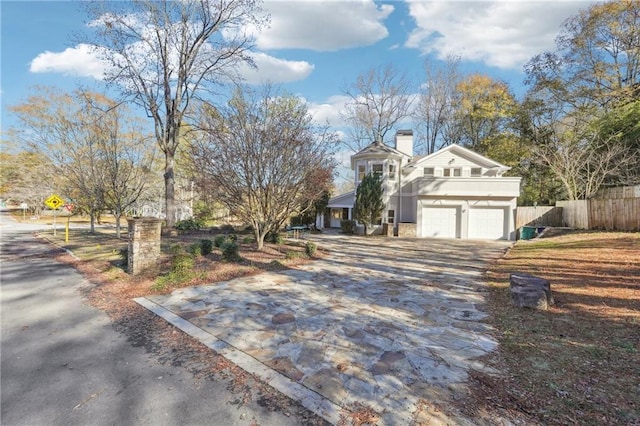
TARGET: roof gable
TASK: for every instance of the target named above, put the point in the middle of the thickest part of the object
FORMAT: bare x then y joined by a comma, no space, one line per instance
451,153
377,149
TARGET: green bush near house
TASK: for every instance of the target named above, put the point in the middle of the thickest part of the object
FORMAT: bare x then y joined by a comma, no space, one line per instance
348,226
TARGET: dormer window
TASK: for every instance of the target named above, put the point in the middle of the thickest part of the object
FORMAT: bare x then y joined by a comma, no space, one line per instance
476,171
429,171
452,172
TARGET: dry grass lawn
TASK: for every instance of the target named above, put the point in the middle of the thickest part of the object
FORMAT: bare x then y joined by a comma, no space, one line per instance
578,362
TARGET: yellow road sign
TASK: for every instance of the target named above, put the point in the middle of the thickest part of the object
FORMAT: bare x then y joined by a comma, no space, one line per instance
54,202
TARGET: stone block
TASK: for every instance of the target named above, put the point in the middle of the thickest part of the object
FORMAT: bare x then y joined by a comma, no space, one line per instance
529,291
407,230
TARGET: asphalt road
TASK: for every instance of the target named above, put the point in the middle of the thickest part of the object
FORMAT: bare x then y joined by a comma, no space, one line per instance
63,363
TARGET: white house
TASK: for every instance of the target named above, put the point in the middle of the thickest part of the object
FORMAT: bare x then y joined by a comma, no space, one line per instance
452,193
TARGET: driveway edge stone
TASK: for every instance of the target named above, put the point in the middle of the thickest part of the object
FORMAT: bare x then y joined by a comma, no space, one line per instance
311,400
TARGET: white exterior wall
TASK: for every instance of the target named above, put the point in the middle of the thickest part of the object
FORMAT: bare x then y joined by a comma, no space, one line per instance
467,187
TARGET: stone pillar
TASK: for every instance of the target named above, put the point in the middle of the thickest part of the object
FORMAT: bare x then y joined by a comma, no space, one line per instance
144,244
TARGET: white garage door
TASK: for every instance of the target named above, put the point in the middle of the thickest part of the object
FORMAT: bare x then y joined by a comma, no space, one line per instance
486,223
439,222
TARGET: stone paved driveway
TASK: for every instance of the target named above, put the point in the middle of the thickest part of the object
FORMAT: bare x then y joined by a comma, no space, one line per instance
382,322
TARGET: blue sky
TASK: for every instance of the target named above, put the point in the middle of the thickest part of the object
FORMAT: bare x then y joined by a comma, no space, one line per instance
313,47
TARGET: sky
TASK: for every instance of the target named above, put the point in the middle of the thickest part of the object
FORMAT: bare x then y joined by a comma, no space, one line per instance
313,48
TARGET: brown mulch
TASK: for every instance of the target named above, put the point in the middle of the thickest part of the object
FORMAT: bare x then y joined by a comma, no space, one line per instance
112,290
579,361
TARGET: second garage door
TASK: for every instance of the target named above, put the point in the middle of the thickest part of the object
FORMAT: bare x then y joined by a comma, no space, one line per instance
440,222
487,223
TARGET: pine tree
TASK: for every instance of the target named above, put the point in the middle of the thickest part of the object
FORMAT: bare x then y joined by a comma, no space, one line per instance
369,205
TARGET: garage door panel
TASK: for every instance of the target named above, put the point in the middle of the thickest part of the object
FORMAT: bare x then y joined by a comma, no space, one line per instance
439,222
487,223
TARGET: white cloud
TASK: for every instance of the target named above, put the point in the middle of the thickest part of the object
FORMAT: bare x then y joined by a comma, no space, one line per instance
322,25
329,111
503,34
275,70
77,61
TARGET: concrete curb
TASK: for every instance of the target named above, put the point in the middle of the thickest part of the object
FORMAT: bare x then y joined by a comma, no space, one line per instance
309,399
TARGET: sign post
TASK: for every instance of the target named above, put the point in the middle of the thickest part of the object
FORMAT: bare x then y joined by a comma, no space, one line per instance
69,208
54,202
24,208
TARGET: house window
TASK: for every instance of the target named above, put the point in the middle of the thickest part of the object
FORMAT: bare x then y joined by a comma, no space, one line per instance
377,170
345,213
429,171
392,172
476,171
391,216
452,172
361,172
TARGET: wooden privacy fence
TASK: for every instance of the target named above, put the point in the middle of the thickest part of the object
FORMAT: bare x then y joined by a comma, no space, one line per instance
610,214
538,216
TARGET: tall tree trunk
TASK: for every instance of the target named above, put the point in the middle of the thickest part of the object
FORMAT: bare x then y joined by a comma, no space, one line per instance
92,221
118,216
169,184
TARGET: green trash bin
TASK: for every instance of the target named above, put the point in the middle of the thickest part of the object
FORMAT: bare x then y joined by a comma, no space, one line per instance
527,232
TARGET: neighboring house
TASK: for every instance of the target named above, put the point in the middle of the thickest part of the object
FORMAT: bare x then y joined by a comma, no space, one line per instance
452,193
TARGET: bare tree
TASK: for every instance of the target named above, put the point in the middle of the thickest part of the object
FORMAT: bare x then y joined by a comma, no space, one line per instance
125,157
582,159
434,113
380,99
95,153
264,157
162,54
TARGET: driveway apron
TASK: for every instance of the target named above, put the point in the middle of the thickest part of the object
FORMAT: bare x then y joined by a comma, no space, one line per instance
382,322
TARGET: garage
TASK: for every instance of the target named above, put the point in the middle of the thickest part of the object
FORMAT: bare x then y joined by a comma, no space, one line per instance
440,222
487,223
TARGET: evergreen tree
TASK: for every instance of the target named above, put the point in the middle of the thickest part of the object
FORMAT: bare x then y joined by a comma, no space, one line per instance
369,205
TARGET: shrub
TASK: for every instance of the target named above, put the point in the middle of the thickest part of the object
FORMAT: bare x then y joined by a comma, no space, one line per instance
123,255
290,254
207,247
274,237
195,249
233,237
230,251
348,226
227,228
247,240
191,224
219,240
310,248
175,248
182,263
181,270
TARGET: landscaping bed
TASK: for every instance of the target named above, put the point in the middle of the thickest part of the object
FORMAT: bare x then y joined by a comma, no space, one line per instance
579,361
